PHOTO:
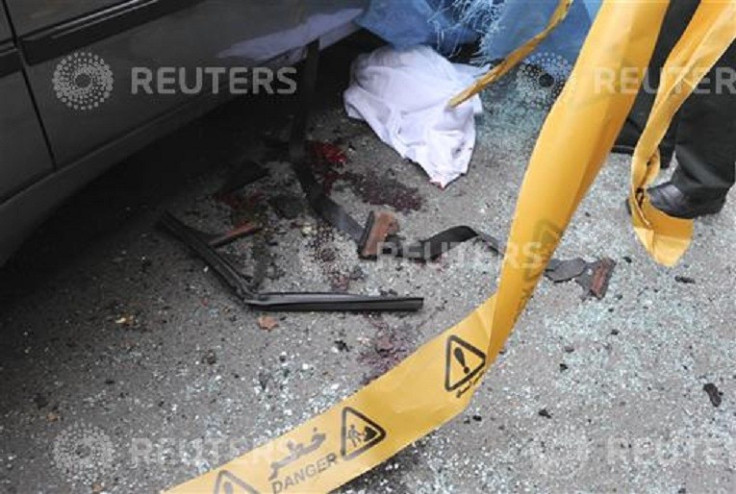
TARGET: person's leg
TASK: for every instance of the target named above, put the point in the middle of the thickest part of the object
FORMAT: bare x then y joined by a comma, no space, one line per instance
706,136
676,20
706,147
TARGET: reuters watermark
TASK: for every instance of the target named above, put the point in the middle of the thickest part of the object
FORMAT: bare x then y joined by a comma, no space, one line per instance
237,81
632,80
84,81
541,78
85,454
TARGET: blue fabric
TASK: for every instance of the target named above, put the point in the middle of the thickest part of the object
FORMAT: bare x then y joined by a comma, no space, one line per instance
407,23
593,7
501,25
521,20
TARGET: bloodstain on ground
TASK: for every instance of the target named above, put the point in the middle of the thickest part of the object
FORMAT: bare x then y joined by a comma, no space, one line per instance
243,208
383,190
388,347
326,161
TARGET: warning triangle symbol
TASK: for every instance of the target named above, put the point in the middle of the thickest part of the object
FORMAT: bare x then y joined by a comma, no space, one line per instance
463,363
227,483
359,433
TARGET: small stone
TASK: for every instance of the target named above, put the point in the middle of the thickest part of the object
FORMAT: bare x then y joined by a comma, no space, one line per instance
125,321
342,346
209,358
357,274
267,323
685,279
327,255
714,394
384,344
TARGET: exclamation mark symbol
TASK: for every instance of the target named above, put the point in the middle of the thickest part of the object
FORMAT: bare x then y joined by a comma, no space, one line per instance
460,357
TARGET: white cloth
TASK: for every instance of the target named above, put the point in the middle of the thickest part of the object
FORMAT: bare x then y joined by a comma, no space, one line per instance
403,95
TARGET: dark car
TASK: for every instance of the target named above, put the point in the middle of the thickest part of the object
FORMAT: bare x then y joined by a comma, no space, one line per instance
85,83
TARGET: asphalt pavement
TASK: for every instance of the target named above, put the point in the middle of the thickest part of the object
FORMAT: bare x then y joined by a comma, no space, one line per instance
127,367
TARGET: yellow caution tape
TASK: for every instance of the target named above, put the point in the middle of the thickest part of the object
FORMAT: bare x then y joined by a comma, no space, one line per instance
708,36
437,382
516,56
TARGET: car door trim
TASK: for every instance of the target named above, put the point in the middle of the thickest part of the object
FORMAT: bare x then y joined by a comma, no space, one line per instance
53,42
10,61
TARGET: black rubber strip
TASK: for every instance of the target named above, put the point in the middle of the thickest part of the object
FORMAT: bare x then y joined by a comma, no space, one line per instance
53,42
439,244
302,302
10,61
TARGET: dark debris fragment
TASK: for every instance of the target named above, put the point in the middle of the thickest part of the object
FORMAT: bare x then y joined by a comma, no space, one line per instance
685,280
561,271
594,277
597,277
715,395
209,358
342,346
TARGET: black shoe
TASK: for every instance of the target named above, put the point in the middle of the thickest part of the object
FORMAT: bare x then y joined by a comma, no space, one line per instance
628,139
672,201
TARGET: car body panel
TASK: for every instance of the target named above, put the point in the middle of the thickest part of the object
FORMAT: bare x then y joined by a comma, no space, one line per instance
86,143
5,33
24,156
32,15
166,42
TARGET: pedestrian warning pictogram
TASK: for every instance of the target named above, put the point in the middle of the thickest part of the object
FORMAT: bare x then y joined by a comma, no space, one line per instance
359,433
227,483
463,362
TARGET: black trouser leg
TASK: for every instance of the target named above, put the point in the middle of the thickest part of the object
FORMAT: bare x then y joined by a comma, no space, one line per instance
703,133
675,22
706,134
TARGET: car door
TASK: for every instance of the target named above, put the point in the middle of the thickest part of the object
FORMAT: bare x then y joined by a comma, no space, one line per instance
24,156
114,39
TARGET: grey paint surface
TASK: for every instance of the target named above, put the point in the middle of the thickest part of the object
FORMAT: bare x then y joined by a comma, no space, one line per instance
188,39
32,15
628,412
5,33
24,156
